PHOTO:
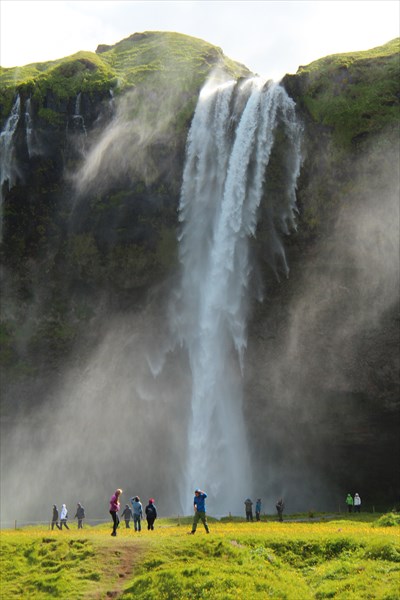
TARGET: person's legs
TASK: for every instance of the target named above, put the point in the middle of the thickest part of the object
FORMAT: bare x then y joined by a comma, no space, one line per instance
115,522
204,521
195,521
135,522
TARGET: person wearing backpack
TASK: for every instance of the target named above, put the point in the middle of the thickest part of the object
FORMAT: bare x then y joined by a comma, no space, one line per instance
151,514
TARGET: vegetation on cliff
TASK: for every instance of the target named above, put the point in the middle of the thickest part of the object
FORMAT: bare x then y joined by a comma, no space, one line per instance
352,94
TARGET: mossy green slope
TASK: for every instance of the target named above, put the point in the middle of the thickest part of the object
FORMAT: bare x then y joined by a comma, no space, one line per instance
342,559
178,59
353,94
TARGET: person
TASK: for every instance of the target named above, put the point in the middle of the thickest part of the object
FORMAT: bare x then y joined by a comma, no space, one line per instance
279,507
137,510
54,519
258,509
80,515
357,503
249,509
127,515
349,502
63,517
151,514
199,504
114,508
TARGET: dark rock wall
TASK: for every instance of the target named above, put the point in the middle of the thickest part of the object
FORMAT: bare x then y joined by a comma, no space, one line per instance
321,398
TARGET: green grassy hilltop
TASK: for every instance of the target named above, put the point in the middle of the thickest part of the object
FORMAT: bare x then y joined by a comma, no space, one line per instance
348,558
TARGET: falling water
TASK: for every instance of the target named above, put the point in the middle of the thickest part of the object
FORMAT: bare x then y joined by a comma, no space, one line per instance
8,169
78,119
228,149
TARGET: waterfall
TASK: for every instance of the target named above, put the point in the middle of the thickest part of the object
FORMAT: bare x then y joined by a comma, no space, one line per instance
228,150
8,167
78,119
31,137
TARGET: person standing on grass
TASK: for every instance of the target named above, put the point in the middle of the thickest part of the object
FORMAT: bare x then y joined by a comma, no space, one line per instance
127,515
258,509
199,503
349,502
80,515
54,519
151,514
64,516
114,508
248,504
279,507
137,510
357,503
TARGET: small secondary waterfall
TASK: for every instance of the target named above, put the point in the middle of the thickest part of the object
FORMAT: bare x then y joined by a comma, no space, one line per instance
228,149
8,168
78,119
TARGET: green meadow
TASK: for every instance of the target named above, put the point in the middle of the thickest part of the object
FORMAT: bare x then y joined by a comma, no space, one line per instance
344,557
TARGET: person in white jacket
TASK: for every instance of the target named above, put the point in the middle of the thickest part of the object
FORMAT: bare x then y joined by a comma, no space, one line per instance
357,503
64,516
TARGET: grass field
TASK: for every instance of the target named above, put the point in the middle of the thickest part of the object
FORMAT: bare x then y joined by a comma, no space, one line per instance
352,557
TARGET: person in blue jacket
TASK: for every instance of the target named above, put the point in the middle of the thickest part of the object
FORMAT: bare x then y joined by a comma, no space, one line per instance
137,511
199,503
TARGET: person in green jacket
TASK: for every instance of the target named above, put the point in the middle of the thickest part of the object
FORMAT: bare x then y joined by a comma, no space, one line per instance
349,502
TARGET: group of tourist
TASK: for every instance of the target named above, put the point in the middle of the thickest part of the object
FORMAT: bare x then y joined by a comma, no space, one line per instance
248,504
353,503
135,513
63,516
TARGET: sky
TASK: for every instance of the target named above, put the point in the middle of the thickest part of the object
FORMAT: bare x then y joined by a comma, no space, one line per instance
271,37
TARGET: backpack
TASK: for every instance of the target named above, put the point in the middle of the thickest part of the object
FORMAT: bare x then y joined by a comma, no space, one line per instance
151,511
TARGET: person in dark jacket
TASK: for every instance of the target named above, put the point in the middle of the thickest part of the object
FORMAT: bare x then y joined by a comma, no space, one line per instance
127,516
151,514
279,507
54,519
248,505
80,515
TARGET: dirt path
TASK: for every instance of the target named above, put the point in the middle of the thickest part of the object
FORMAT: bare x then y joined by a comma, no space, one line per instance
118,563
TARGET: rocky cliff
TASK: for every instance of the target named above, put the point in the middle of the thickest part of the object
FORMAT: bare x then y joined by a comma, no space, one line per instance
92,165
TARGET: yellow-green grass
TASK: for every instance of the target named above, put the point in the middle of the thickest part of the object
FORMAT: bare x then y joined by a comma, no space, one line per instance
348,558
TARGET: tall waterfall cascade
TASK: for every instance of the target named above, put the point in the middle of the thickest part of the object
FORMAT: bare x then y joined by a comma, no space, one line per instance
228,150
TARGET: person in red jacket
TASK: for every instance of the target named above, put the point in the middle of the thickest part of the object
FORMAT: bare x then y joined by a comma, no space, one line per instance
114,508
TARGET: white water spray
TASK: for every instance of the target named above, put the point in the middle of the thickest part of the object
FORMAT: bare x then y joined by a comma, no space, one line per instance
228,149
8,167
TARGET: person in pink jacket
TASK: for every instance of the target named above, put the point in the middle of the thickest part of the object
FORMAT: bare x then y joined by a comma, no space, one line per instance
114,508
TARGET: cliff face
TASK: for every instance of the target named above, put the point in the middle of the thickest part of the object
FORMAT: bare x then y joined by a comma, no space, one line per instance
89,227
